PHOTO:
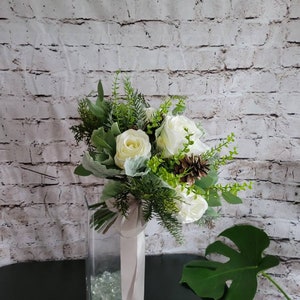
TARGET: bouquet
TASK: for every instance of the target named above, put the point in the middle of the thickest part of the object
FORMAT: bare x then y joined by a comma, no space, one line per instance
154,158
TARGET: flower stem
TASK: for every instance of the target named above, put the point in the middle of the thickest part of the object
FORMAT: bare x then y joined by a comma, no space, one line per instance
276,284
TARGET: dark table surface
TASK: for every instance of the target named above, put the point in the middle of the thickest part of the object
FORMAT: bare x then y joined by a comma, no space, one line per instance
65,280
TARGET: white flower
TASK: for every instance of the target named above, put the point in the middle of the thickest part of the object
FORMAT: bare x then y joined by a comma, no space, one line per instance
172,135
191,206
131,144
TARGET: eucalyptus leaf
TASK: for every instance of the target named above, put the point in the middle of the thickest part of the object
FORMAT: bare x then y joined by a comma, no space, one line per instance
207,181
97,168
214,198
210,212
208,278
231,198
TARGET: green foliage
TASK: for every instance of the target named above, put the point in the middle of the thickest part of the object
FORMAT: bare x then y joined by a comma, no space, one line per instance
208,278
158,200
128,112
89,122
213,154
103,217
162,169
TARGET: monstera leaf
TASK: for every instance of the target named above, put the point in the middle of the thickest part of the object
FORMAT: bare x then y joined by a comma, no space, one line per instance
209,278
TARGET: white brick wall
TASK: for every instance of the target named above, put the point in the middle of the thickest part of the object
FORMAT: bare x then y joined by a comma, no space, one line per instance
237,60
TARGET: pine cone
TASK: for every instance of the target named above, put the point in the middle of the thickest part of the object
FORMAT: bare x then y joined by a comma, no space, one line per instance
192,167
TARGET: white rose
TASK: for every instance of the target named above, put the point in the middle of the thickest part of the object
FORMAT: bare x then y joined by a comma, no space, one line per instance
172,135
191,207
131,143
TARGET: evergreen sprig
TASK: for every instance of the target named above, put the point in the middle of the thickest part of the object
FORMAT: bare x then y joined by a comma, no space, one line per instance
89,122
157,200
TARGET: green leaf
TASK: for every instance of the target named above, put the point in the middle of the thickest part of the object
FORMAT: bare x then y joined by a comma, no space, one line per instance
100,93
207,181
81,171
105,140
214,198
115,129
111,190
99,109
230,198
210,212
208,278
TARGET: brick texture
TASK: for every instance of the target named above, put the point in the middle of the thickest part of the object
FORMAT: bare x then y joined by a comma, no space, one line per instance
236,60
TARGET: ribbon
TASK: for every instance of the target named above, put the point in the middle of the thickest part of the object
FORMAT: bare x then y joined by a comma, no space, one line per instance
132,252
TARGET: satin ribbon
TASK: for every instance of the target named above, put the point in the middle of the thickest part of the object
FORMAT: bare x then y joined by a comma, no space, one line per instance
132,252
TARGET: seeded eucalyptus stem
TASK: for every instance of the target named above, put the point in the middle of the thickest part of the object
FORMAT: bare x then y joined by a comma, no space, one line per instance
276,284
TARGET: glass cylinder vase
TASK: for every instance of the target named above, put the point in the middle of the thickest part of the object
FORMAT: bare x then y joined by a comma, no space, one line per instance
115,265
103,266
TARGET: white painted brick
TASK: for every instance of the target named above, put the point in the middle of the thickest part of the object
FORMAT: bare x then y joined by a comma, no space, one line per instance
268,190
224,33
66,176
274,10
239,57
254,82
250,33
245,9
187,85
6,57
6,153
7,77
162,10
33,252
56,152
198,59
89,32
246,148
293,33
151,83
267,58
290,81
215,9
294,9
75,250
276,35
288,126
6,12
140,59
44,59
291,57
147,34
194,34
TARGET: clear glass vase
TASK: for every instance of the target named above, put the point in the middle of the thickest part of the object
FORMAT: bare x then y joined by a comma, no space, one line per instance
115,267
103,265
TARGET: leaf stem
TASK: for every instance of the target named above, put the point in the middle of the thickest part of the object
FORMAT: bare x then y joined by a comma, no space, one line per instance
276,284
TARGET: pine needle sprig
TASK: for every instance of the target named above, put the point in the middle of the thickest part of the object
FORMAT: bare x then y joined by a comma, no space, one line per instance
139,113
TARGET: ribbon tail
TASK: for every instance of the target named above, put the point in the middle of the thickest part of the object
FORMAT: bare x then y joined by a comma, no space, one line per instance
133,266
